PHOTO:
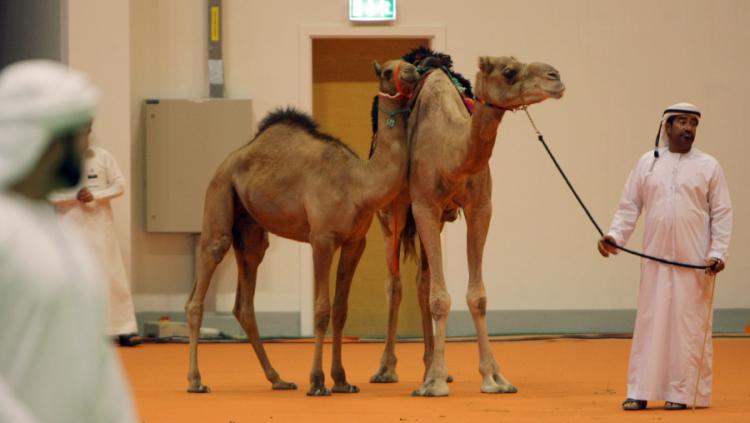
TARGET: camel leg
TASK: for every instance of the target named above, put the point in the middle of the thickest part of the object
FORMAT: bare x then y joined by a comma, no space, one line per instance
250,244
478,222
393,291
323,249
216,238
350,255
423,295
428,227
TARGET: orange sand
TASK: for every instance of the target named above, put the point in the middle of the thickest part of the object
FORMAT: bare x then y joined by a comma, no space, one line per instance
558,380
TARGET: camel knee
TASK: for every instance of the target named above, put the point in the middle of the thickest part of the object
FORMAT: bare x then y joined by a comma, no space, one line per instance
194,313
322,316
393,291
477,304
217,247
440,305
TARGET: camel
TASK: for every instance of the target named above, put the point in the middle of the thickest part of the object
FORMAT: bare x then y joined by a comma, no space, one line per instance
298,183
450,151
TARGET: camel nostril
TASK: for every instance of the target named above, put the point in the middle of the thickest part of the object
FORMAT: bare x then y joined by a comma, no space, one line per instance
553,75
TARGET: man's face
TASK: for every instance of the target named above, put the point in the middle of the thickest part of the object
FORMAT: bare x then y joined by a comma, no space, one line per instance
75,144
681,132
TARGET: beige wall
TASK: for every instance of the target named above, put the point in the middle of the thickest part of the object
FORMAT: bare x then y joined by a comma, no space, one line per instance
99,45
622,62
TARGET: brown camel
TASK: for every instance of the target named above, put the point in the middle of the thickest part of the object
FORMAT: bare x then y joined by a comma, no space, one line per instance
450,151
298,183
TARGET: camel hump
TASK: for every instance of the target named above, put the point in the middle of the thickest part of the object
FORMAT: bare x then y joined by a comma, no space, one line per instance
425,58
290,116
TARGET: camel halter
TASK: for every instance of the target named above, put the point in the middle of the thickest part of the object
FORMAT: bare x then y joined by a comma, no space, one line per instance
540,137
490,105
399,92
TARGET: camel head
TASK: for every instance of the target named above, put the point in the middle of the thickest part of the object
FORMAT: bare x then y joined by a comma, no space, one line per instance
507,83
397,78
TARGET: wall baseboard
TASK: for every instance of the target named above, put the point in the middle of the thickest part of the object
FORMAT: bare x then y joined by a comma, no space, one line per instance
499,322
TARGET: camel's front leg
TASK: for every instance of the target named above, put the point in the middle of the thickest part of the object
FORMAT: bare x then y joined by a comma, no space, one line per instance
393,216
323,249
350,255
478,222
428,227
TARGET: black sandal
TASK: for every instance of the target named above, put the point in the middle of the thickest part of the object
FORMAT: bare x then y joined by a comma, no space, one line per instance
129,340
669,405
631,404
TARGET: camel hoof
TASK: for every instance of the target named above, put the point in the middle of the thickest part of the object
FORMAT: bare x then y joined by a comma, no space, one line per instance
199,389
319,391
282,386
384,377
345,389
432,388
504,385
499,389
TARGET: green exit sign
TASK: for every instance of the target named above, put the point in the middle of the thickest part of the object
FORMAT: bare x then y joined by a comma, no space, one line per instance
372,10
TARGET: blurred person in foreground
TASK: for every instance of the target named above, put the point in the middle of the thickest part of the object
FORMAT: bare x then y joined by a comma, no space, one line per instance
56,364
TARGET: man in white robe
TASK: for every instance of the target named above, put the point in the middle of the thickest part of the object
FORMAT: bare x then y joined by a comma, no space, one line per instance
688,216
88,207
56,364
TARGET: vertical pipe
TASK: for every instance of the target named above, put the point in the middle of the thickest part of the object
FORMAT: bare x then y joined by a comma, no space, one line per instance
215,61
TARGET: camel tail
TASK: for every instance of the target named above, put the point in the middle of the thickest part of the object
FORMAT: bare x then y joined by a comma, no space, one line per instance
408,237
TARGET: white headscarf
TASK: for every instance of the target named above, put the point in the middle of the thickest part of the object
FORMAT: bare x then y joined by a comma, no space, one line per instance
39,100
673,110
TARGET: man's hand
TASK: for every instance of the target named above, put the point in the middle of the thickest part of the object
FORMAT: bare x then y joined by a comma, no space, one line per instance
84,195
715,265
605,248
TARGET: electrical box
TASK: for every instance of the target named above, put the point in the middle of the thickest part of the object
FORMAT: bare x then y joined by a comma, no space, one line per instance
186,141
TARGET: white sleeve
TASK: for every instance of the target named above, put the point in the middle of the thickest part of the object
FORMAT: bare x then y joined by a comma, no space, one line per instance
630,206
115,180
61,197
13,410
720,210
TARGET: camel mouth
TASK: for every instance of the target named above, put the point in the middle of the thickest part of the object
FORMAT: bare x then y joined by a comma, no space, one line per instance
555,92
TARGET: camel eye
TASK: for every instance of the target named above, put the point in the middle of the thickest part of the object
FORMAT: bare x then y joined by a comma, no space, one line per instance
387,74
509,74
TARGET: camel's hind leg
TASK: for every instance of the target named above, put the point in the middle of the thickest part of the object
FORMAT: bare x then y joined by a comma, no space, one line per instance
350,255
216,238
250,244
387,371
477,222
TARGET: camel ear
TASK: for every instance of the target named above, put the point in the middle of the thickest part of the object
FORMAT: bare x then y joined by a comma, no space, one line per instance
485,65
378,68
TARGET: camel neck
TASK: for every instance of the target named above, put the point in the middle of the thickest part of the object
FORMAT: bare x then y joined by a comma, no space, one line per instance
481,138
384,174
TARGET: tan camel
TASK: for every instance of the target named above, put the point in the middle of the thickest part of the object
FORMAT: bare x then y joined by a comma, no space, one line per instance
298,183
450,150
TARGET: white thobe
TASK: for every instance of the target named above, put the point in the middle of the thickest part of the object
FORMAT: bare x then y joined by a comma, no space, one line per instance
56,363
688,219
104,179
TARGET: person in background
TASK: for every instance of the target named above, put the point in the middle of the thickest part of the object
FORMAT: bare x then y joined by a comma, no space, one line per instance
688,217
56,364
88,206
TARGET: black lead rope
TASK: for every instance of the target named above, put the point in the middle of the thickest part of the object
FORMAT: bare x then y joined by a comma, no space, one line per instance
591,218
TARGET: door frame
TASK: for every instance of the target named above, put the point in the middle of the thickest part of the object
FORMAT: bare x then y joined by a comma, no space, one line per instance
307,33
